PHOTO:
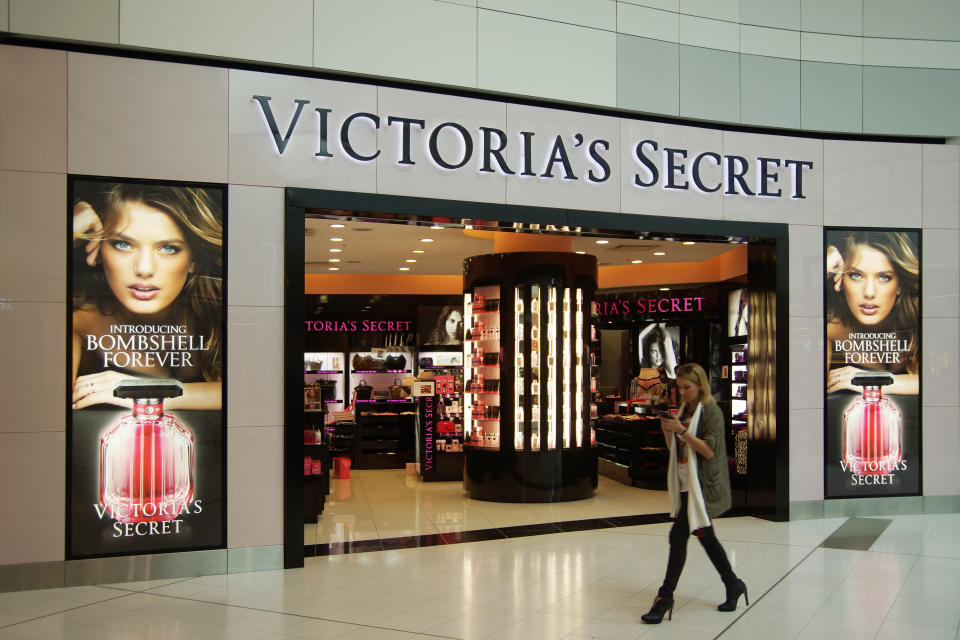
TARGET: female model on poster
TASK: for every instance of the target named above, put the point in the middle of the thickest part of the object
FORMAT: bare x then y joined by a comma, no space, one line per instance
698,483
657,350
873,287
150,257
449,329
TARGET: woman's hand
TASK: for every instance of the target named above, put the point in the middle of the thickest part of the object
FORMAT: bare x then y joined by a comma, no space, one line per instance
835,266
839,379
86,222
97,388
670,423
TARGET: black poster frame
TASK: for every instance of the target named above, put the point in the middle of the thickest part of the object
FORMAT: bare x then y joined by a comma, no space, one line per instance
830,493
72,179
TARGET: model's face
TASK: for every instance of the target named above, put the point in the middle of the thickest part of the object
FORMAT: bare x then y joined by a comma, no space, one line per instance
454,325
146,259
656,358
870,286
689,391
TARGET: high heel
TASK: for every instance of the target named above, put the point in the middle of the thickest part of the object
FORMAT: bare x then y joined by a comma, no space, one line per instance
661,607
734,590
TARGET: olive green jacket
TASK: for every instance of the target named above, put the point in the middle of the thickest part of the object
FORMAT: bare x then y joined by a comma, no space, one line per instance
714,473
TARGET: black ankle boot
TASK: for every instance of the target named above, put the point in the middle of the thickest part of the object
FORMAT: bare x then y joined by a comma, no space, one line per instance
734,589
661,606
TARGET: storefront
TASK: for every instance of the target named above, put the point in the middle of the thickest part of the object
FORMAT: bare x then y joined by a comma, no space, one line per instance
274,152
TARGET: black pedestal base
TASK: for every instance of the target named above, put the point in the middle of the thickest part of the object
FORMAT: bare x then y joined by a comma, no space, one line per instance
530,476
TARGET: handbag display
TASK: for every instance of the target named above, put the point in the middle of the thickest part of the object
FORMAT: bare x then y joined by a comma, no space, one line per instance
396,390
363,390
396,362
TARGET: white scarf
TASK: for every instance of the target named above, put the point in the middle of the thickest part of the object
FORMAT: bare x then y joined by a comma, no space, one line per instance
696,508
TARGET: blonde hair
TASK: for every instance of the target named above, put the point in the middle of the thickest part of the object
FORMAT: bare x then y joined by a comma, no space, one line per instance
696,375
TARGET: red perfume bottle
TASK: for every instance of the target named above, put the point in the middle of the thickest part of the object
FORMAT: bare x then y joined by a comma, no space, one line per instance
872,427
147,457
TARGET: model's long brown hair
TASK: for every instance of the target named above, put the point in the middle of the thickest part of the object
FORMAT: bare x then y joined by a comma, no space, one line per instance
902,253
199,215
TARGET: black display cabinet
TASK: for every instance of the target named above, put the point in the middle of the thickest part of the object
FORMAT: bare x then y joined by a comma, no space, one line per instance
527,377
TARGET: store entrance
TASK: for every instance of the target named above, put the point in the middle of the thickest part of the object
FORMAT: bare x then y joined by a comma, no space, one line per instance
382,356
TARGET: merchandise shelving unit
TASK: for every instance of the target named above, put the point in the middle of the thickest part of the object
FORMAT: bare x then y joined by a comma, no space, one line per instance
739,371
384,431
323,393
527,377
441,433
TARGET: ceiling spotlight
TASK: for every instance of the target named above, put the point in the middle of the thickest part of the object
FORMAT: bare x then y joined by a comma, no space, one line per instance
336,239
426,239
404,268
603,242
411,260
664,288
659,253
689,242
636,261
580,252
334,260
419,251
336,250
333,268
337,225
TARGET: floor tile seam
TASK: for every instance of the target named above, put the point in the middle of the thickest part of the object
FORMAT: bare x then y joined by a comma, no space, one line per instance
248,608
55,613
774,586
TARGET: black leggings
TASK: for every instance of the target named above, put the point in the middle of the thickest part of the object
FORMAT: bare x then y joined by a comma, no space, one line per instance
679,535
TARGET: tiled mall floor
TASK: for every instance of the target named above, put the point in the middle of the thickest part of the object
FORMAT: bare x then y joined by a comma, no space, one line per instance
578,585
389,503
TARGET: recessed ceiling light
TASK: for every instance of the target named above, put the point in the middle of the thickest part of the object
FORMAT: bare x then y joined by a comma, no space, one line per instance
333,268
418,251
664,288
337,225
334,260
580,252
437,226
603,242
336,239
411,260
404,268
636,261
426,239
659,253
336,250
689,242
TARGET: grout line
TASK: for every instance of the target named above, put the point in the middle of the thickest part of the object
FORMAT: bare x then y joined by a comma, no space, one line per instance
772,587
54,613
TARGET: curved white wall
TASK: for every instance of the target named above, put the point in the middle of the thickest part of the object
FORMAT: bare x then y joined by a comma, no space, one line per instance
882,67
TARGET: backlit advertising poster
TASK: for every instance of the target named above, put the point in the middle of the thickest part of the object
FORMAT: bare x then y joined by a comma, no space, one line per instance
872,343
146,428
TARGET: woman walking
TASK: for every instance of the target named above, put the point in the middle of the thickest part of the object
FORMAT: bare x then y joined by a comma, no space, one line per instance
699,486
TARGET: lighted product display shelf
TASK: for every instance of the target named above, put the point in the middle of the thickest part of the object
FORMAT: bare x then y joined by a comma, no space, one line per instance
526,369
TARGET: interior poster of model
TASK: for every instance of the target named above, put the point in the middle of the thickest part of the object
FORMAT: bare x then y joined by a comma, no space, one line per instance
872,331
146,336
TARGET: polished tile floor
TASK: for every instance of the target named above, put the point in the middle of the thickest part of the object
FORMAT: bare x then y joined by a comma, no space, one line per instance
576,585
389,503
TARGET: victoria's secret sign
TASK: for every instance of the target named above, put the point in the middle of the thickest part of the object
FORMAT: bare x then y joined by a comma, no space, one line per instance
353,326
610,308
545,157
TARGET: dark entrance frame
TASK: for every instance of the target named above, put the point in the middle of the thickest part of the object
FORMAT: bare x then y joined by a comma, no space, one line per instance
770,478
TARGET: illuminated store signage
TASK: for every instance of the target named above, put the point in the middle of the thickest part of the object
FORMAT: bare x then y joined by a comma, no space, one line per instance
872,331
655,163
146,427
612,307
354,326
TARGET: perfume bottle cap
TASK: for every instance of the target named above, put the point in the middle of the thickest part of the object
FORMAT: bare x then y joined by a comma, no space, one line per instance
872,379
148,388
